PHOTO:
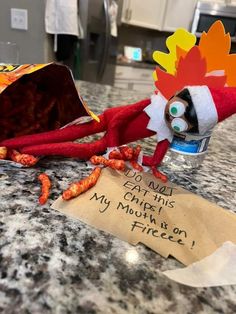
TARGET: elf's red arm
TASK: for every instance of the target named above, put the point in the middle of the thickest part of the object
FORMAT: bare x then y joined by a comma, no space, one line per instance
160,151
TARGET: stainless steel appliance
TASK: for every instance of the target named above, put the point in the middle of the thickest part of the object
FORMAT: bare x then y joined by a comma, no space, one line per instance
98,49
207,13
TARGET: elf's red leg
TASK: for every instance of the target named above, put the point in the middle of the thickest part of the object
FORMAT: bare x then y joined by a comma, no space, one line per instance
68,149
69,133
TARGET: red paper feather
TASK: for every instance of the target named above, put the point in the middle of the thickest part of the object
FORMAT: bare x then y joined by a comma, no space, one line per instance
191,71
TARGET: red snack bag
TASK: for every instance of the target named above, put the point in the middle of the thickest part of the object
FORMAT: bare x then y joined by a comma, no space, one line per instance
36,98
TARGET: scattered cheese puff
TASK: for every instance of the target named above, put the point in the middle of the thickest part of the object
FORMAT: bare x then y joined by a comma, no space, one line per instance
45,189
136,152
126,152
112,163
3,152
77,188
24,159
136,165
115,154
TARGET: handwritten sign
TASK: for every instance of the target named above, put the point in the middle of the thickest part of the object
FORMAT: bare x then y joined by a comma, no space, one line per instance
136,207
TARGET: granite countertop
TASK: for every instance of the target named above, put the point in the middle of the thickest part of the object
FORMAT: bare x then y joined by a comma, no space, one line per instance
51,263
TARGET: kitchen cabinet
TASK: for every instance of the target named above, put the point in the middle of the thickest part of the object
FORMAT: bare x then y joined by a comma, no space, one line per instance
178,13
132,78
163,15
148,14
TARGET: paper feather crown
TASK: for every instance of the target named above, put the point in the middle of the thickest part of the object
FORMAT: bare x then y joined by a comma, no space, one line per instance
208,63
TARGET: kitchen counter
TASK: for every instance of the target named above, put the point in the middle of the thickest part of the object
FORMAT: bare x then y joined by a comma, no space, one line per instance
50,263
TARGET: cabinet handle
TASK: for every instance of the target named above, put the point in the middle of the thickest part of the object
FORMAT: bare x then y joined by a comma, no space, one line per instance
145,75
130,15
127,14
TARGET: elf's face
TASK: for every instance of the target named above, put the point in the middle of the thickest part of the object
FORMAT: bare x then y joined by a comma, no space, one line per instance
175,115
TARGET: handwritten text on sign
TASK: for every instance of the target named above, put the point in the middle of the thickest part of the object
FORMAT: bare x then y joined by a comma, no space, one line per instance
144,204
137,207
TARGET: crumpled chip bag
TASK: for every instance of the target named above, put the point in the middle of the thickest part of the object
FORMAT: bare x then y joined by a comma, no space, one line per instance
38,97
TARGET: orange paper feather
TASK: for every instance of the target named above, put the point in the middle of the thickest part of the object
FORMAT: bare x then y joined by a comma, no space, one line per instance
215,48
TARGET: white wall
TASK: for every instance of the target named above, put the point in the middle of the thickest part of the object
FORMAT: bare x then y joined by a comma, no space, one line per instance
34,44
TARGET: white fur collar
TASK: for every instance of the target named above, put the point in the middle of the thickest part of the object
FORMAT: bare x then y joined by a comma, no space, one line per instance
157,123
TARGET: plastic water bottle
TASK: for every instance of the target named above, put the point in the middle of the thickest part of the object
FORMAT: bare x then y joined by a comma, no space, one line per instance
187,151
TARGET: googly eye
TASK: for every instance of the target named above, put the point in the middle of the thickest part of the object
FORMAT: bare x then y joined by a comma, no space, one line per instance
176,109
179,125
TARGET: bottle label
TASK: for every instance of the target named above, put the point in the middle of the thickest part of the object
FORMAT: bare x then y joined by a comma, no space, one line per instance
190,144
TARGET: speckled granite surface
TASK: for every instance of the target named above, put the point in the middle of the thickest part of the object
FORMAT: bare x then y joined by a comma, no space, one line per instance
50,263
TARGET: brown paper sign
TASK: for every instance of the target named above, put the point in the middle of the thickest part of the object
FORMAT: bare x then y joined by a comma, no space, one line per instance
136,207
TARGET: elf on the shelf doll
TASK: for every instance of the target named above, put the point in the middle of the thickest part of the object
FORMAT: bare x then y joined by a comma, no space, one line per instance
192,96
194,109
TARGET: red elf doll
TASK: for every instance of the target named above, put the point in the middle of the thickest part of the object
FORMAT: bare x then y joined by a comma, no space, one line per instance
173,108
195,109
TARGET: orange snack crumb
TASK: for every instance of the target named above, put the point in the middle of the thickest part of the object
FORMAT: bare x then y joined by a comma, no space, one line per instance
115,154
136,165
126,152
112,163
77,188
24,159
3,152
45,189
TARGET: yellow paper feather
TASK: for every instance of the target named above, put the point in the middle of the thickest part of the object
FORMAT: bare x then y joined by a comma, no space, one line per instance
182,39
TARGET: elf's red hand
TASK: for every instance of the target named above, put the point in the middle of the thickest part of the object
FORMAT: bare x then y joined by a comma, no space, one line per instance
159,175
156,160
